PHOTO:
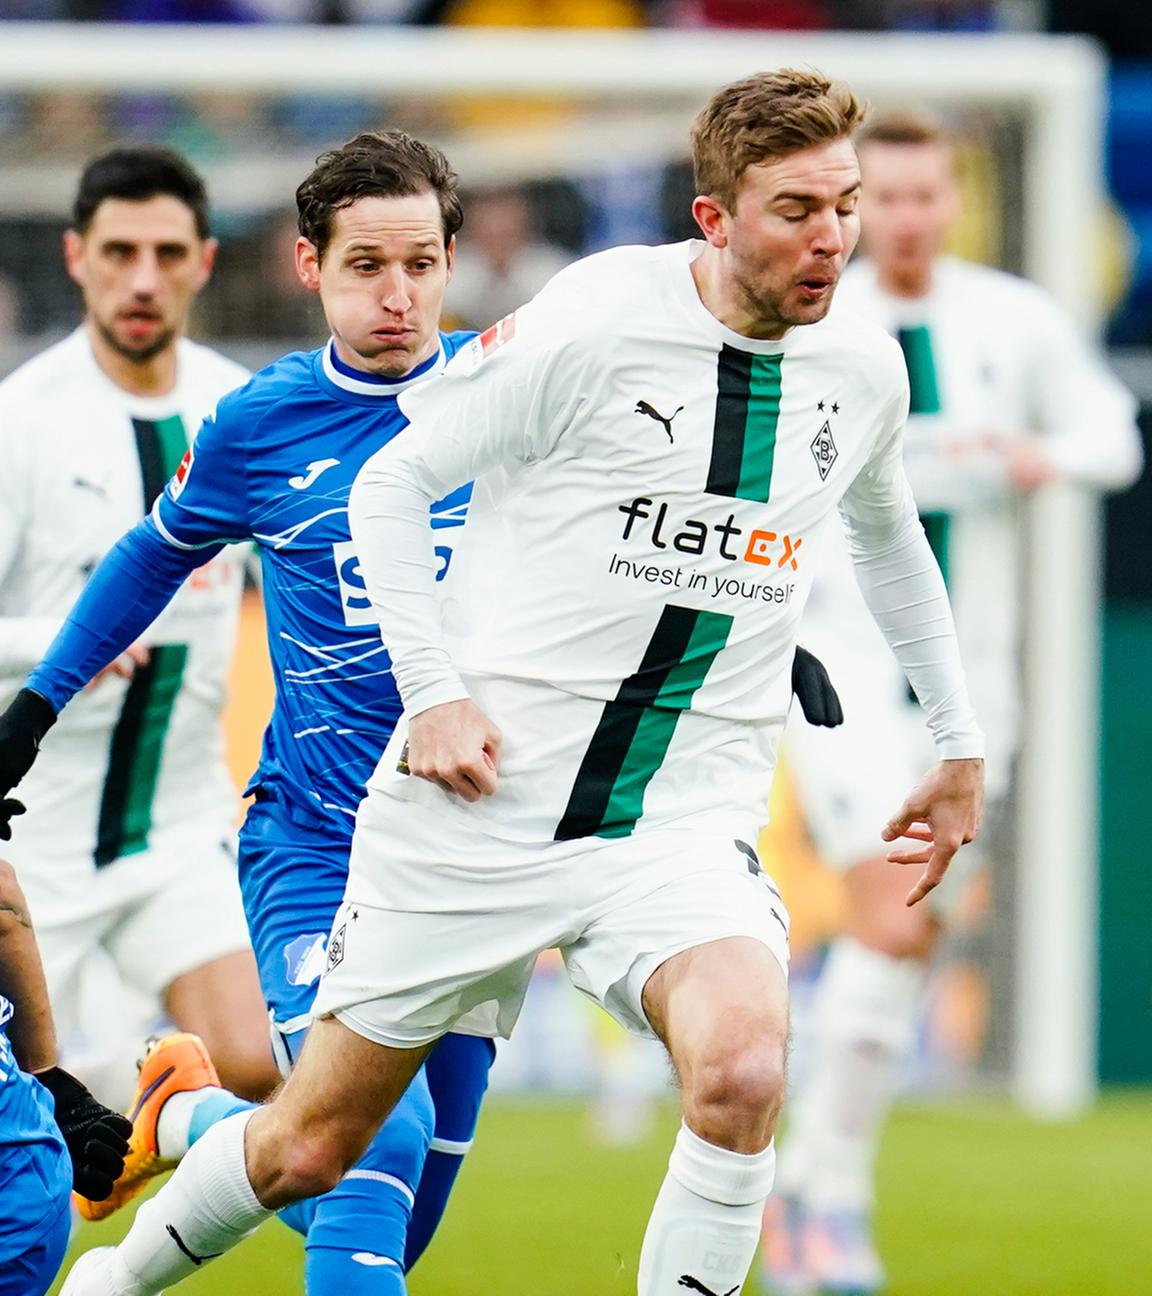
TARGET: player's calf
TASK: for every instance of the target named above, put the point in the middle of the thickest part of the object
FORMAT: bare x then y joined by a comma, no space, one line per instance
721,1009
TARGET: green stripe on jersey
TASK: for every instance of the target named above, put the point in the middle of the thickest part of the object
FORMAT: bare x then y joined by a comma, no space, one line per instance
924,398
937,527
920,361
635,729
134,754
160,444
744,429
137,743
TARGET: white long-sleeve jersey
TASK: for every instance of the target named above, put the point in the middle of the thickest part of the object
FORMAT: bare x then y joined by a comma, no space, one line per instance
82,462
652,495
991,358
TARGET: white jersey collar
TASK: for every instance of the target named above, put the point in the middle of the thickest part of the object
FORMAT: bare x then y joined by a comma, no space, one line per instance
684,287
368,386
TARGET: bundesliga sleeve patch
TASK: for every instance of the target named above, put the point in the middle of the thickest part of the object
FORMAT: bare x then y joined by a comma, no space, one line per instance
176,485
493,339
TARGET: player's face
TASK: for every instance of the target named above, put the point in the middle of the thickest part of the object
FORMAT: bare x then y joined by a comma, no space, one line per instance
139,265
908,202
381,281
794,226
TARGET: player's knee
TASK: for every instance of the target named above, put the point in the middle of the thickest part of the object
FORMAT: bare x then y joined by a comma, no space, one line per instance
909,935
313,1164
737,1093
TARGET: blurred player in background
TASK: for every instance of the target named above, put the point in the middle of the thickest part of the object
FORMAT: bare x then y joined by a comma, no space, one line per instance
505,261
378,219
638,552
53,1133
127,851
1006,395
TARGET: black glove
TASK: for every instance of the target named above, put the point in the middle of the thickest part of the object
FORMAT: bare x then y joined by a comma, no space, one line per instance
22,726
96,1137
814,690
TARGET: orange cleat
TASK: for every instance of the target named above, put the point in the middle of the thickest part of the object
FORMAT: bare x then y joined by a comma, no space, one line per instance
171,1064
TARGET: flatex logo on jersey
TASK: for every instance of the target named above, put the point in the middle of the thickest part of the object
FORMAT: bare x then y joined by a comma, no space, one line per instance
653,523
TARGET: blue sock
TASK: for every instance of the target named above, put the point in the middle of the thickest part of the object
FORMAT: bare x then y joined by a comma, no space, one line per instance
457,1072
354,1235
217,1108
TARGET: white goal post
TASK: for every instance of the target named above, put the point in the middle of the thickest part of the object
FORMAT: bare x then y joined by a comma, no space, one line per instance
1055,84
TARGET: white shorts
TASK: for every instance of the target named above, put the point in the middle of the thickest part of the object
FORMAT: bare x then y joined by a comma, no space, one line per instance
156,914
465,920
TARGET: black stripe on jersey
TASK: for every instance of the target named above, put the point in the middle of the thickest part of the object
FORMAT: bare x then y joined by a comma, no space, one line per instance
733,391
160,445
134,754
137,742
619,722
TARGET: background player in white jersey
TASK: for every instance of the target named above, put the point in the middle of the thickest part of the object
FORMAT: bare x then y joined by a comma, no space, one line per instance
647,513
1006,395
126,851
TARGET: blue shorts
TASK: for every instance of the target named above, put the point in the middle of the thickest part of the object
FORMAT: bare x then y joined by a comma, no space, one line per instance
292,877
32,1272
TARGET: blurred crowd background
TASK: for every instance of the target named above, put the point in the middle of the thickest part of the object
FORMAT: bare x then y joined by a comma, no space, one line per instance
517,234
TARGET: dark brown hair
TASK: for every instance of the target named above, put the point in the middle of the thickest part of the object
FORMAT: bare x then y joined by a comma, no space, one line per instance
376,164
137,174
763,117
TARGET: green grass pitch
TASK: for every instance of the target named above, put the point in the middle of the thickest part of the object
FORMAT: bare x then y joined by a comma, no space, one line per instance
974,1201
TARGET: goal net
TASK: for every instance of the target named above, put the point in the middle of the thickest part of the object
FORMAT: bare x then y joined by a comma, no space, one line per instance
567,142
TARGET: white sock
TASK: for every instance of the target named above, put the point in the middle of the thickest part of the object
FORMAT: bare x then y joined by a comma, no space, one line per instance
202,1211
863,1022
705,1225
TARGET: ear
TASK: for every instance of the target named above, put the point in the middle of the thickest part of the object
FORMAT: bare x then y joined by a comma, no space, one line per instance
450,255
952,200
207,261
712,219
308,264
74,256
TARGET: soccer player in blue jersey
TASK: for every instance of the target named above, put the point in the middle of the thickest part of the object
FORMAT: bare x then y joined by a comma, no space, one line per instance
377,222
53,1133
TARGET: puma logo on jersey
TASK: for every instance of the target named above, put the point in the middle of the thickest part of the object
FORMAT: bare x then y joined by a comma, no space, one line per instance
642,407
311,473
686,1280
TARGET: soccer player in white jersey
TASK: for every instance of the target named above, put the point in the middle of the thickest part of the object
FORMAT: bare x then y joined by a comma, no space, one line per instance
660,442
1006,395
126,851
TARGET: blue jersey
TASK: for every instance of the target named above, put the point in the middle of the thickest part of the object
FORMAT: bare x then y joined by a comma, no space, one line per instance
276,464
35,1172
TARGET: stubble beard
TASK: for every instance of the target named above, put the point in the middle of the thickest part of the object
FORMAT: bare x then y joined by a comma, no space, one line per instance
774,314
140,355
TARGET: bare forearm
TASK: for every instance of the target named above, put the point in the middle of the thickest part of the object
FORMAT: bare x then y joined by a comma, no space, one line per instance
31,1031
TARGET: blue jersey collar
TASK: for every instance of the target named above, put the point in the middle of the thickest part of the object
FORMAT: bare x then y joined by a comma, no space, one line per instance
364,384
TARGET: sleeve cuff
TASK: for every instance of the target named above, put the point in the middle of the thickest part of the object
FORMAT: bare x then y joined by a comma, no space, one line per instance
970,747
435,694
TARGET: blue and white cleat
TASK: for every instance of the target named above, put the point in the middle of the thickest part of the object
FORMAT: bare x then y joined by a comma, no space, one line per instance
841,1254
